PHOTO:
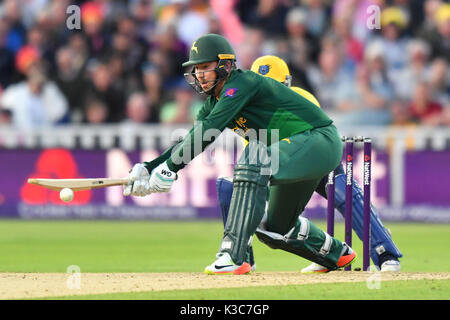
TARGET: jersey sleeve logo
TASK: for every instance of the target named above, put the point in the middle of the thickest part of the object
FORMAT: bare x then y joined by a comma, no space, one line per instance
264,69
230,92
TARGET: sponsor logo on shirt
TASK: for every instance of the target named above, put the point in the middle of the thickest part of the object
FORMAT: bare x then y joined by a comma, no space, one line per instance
240,126
230,92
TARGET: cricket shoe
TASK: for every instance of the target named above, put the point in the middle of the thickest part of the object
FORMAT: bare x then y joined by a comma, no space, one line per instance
390,266
347,258
225,265
314,268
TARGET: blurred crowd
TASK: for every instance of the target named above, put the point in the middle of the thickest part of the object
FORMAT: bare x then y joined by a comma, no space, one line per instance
368,62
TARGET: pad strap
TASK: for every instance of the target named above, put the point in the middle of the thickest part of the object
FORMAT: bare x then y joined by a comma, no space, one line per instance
304,229
326,245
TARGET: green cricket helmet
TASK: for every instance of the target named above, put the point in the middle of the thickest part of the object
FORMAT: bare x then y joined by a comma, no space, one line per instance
210,47
207,48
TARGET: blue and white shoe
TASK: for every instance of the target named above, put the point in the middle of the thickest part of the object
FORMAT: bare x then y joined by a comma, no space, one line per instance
390,266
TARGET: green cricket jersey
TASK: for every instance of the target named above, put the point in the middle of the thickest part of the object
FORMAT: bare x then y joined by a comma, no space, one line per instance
247,101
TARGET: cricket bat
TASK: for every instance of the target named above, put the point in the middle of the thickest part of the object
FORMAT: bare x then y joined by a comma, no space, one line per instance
78,184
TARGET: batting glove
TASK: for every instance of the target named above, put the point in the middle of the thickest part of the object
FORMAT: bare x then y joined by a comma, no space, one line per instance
162,178
138,182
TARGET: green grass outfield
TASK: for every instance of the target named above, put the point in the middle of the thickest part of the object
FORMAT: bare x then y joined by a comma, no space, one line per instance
145,246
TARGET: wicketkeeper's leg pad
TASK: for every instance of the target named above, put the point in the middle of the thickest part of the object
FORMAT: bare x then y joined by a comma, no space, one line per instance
380,238
224,192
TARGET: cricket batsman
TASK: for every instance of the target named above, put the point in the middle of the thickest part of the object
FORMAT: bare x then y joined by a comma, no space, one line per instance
384,252
292,145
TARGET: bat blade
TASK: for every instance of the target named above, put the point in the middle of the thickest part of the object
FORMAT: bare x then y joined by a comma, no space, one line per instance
77,184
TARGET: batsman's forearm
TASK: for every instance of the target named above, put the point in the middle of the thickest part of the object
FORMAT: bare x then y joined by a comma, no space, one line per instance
150,165
193,144
166,156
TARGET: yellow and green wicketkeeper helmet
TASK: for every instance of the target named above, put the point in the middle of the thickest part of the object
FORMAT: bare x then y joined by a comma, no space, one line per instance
272,67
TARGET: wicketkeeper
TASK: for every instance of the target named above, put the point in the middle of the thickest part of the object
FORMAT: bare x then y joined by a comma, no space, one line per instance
384,252
292,145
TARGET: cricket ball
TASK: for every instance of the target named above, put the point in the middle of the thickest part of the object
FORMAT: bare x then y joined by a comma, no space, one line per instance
66,195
